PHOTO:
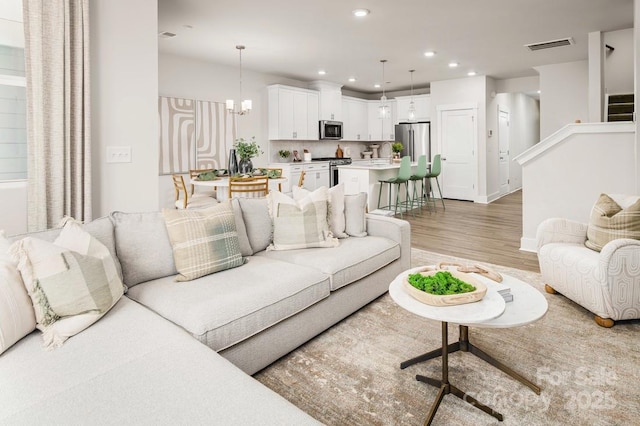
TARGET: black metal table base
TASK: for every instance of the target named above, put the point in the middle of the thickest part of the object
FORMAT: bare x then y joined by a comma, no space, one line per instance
444,385
463,344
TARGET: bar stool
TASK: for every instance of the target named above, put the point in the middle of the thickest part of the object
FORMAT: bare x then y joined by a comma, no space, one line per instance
421,174
404,175
436,166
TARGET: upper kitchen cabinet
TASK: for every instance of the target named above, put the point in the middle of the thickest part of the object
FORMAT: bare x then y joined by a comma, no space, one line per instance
355,119
422,105
330,95
381,129
293,113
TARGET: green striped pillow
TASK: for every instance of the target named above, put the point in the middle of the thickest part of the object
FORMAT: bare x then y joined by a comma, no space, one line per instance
609,222
204,241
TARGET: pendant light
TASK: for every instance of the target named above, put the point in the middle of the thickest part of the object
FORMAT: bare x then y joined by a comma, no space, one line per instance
245,105
383,109
412,106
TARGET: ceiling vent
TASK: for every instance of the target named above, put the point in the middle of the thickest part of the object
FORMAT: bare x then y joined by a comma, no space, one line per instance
549,44
166,34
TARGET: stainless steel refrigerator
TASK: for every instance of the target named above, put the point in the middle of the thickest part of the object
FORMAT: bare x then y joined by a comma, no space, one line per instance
416,139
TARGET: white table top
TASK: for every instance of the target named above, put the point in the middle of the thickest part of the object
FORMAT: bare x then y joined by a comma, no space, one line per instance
224,181
528,304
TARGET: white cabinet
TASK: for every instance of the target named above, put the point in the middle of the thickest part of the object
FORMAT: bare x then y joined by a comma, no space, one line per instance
381,129
330,100
355,119
293,113
316,175
422,105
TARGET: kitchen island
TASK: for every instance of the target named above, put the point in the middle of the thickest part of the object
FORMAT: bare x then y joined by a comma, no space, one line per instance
363,176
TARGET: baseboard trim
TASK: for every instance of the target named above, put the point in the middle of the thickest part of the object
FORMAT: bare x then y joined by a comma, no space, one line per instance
529,244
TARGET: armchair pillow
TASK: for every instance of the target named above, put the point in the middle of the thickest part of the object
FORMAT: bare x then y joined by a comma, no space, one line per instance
609,221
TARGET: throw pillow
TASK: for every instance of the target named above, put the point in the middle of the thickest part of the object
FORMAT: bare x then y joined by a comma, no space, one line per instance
255,213
609,222
301,224
336,208
355,208
72,282
204,241
17,318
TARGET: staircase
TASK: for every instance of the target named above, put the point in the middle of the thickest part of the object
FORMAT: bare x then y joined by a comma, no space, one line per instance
620,107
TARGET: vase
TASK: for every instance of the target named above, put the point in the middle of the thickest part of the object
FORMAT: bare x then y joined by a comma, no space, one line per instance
233,163
245,166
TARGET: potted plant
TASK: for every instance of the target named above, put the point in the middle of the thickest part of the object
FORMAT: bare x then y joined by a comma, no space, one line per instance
284,154
396,147
246,150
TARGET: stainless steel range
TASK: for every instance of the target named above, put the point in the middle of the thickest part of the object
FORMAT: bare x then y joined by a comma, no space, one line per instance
333,169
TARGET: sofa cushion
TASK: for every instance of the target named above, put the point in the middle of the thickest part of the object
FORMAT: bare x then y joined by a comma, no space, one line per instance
133,367
355,209
610,221
143,247
17,318
225,308
204,240
336,208
255,212
72,282
353,259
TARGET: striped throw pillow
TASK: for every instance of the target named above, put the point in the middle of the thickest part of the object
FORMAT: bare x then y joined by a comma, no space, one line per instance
609,222
204,241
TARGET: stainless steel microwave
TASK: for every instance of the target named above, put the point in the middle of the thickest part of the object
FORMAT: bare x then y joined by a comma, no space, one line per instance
330,130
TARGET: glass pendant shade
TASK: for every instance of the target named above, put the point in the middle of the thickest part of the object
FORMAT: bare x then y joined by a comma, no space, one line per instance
383,109
411,113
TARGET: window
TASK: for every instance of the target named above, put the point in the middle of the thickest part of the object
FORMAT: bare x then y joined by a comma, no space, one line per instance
13,125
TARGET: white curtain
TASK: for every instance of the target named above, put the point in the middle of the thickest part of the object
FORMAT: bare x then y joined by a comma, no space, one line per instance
58,105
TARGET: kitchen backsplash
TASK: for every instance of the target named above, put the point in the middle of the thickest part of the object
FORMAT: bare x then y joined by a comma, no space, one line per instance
327,148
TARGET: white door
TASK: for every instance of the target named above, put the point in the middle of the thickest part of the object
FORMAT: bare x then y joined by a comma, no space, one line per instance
503,147
458,138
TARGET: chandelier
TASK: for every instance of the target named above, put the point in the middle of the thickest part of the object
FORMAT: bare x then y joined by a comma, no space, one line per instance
245,105
383,109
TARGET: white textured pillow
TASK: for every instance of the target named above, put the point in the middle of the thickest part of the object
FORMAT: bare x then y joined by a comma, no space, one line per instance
336,208
72,282
17,318
355,208
301,224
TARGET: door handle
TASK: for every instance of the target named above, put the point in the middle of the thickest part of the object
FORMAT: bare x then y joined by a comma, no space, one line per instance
443,158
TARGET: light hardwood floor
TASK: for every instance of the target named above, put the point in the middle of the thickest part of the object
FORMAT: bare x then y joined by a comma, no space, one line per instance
483,232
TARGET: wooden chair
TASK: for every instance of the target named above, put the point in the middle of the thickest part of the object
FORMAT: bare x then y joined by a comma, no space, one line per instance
193,173
279,170
186,202
301,180
248,187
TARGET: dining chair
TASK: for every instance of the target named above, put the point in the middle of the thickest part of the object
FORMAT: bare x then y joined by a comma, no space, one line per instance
276,171
301,180
193,173
403,177
436,167
422,171
189,202
248,187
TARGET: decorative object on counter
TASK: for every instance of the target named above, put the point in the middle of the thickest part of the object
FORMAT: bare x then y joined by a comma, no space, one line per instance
233,162
245,105
396,147
246,151
284,154
374,149
307,155
296,157
366,155
347,152
339,153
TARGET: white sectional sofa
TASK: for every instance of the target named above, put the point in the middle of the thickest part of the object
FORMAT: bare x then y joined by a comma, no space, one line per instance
182,352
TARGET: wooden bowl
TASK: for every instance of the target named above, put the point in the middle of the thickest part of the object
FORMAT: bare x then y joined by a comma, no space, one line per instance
447,299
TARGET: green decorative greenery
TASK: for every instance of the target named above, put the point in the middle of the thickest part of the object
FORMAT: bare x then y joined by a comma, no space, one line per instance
247,150
284,153
441,283
397,147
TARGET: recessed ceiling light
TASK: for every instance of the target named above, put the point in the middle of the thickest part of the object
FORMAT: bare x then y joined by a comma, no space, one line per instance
377,86
360,12
352,79
538,92
453,64
471,73
322,72
429,53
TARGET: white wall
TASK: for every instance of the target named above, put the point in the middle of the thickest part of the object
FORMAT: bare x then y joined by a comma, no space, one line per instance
618,65
521,84
124,106
567,178
563,95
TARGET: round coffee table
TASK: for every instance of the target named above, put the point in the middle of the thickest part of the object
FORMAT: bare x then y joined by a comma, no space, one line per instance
528,306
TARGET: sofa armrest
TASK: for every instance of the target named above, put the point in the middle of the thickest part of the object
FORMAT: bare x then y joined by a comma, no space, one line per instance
619,262
394,229
557,230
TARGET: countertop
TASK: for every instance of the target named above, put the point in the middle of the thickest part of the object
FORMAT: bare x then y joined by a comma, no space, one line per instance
373,165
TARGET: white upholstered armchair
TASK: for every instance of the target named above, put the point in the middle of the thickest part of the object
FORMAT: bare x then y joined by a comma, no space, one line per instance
606,283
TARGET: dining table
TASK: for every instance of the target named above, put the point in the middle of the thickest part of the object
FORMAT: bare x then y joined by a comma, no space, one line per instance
221,185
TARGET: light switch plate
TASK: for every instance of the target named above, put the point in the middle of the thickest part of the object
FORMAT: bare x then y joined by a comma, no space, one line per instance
118,154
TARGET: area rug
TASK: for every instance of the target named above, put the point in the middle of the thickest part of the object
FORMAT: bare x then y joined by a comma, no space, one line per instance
350,375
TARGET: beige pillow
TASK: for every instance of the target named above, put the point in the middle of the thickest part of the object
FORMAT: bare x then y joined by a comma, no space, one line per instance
355,209
204,241
72,282
336,208
609,222
301,224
